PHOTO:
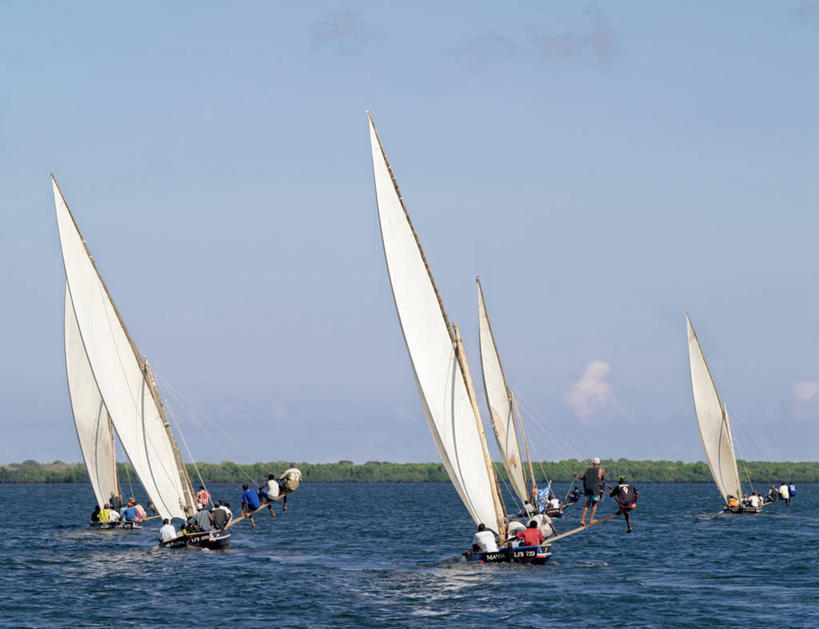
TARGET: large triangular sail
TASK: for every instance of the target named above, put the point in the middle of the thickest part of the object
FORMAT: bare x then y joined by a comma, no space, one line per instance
499,402
431,345
121,376
95,431
712,419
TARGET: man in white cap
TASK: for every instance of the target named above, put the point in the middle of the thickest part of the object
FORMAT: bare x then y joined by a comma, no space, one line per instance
592,480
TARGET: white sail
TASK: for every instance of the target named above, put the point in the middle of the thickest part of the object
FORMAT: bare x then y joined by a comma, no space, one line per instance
712,419
430,343
120,376
498,400
94,428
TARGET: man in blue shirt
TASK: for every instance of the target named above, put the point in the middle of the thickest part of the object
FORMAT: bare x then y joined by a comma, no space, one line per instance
250,502
129,513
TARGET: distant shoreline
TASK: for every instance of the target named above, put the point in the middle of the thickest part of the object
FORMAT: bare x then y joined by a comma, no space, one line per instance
384,472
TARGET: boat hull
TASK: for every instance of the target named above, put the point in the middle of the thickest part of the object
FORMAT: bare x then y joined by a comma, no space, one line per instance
122,526
214,540
537,555
742,510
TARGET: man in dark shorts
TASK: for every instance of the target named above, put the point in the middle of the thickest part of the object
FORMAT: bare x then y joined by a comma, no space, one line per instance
250,502
626,497
592,479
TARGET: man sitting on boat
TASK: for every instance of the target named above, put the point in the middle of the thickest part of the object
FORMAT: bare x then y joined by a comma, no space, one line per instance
167,532
113,515
772,495
250,502
626,497
221,516
733,503
95,514
202,519
754,501
129,513
105,513
289,481
484,540
592,482
269,492
531,536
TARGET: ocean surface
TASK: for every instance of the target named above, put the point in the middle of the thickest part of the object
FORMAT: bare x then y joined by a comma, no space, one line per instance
385,555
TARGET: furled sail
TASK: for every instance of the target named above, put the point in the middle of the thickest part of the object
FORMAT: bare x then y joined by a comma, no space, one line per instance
120,374
499,402
94,428
712,419
430,343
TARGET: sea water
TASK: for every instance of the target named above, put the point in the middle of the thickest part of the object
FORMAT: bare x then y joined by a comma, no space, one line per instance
382,555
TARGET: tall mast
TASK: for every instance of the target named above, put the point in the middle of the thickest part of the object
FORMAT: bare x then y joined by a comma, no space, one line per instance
525,442
500,509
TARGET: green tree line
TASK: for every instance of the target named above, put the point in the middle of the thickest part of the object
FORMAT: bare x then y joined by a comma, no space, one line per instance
384,472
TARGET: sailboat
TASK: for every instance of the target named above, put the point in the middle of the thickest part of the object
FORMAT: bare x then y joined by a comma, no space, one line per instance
715,428
112,389
440,368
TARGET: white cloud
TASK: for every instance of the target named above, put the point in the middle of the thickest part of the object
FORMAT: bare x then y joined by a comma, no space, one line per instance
805,390
343,30
591,392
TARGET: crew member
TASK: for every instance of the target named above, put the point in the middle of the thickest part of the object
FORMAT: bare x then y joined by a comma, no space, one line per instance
592,479
531,536
484,540
95,514
626,497
289,481
250,502
269,492
202,519
203,497
167,532
785,494
544,523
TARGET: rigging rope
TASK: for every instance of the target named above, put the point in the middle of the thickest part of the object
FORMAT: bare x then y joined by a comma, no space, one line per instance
185,443
194,413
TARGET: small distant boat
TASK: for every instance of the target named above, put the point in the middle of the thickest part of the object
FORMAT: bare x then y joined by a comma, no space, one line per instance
715,429
113,389
440,368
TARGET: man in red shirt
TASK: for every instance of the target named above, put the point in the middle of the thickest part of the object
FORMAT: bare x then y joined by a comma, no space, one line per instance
531,536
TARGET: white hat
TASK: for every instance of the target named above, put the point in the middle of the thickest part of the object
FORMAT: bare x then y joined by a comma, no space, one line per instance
595,461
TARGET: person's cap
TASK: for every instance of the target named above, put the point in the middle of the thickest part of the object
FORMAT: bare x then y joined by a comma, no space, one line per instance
755,491
595,461
621,478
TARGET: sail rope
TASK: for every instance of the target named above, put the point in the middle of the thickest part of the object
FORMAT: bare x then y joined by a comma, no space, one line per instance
127,467
184,443
196,414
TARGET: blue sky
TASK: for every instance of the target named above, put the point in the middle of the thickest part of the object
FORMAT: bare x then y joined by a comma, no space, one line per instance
604,168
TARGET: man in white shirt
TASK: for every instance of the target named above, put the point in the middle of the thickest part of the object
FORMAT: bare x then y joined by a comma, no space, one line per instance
113,515
167,532
754,500
269,493
484,540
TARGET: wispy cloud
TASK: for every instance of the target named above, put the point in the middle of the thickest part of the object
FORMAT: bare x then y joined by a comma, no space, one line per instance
805,390
486,47
601,41
345,31
591,393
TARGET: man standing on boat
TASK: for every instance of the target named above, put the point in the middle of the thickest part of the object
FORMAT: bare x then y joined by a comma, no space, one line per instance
203,497
592,480
626,497
544,523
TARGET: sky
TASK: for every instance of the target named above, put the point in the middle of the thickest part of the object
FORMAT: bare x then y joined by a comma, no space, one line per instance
605,168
